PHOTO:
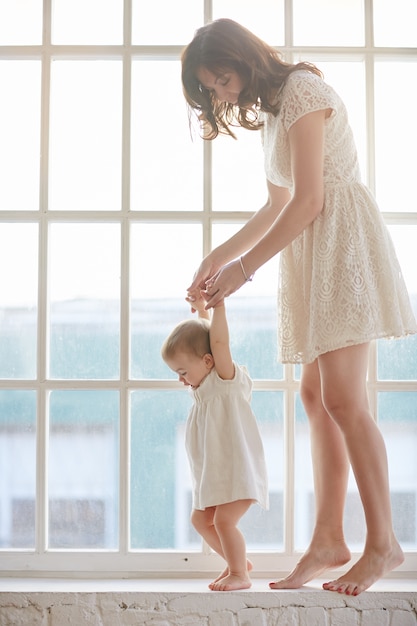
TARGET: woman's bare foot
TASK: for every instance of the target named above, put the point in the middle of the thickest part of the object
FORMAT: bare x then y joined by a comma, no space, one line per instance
231,582
225,573
371,567
312,564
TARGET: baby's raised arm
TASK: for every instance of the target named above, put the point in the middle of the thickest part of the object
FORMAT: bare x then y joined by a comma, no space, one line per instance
219,343
219,333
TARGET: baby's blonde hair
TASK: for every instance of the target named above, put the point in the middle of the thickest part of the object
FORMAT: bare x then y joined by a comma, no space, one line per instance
190,336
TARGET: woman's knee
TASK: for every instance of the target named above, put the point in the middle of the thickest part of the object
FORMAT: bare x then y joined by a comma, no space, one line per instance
311,399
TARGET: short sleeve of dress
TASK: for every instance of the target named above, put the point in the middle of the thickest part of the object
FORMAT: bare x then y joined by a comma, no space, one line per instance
304,93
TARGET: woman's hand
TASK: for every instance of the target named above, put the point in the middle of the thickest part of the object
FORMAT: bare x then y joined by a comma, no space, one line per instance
208,268
225,282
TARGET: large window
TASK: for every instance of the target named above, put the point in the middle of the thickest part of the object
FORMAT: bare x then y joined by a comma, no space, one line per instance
107,205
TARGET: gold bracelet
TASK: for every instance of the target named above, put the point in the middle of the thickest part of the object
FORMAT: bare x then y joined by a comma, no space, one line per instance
247,278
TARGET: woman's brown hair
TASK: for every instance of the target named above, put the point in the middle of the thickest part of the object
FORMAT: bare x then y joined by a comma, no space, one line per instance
225,45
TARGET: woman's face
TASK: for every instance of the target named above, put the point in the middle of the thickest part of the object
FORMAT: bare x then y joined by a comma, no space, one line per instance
226,86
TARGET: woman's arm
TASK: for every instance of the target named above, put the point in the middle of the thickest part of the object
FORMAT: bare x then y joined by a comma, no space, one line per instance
306,138
244,239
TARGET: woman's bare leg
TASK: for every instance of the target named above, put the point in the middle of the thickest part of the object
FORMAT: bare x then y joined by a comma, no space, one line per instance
344,395
343,375
330,470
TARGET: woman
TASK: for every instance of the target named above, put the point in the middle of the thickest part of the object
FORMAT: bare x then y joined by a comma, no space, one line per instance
340,282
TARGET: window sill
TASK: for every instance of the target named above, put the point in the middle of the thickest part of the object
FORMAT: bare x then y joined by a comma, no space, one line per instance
189,601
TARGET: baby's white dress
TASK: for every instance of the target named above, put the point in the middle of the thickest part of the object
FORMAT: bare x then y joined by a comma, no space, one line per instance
223,443
340,282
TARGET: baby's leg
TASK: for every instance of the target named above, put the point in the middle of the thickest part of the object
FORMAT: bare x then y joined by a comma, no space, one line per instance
203,522
226,518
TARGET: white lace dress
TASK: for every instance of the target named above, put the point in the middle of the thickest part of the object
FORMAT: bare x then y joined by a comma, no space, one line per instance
340,281
223,443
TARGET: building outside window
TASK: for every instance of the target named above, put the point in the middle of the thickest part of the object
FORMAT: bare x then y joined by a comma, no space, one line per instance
107,204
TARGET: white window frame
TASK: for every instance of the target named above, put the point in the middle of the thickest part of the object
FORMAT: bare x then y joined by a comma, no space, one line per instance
124,562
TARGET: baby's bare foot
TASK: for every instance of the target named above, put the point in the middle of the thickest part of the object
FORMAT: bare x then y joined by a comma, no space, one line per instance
371,567
225,573
313,563
231,582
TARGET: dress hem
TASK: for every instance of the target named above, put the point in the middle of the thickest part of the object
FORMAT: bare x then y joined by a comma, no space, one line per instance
346,344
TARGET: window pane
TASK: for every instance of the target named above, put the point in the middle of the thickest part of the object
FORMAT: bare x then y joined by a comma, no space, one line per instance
264,530
163,260
252,316
165,22
160,506
87,22
324,23
166,163
395,23
158,453
18,297
83,469
17,468
397,413
238,178
397,360
84,300
395,143
20,23
304,488
85,141
20,134
267,22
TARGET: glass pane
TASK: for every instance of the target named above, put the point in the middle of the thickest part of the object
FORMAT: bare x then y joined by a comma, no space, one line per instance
165,22
166,162
395,23
397,414
17,468
354,521
397,360
252,316
159,471
160,466
85,138
348,79
83,469
264,530
395,143
304,487
267,22
163,260
18,298
324,23
20,23
87,22
20,134
84,300
238,176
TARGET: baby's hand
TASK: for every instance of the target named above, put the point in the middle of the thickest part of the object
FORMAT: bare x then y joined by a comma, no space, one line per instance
196,300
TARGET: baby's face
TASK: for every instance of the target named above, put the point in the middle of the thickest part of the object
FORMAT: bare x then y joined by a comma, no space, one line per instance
191,369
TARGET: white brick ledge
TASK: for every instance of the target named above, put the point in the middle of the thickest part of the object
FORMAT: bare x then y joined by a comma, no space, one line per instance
59,602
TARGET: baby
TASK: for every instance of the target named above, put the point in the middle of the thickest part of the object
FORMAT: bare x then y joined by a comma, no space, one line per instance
222,439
